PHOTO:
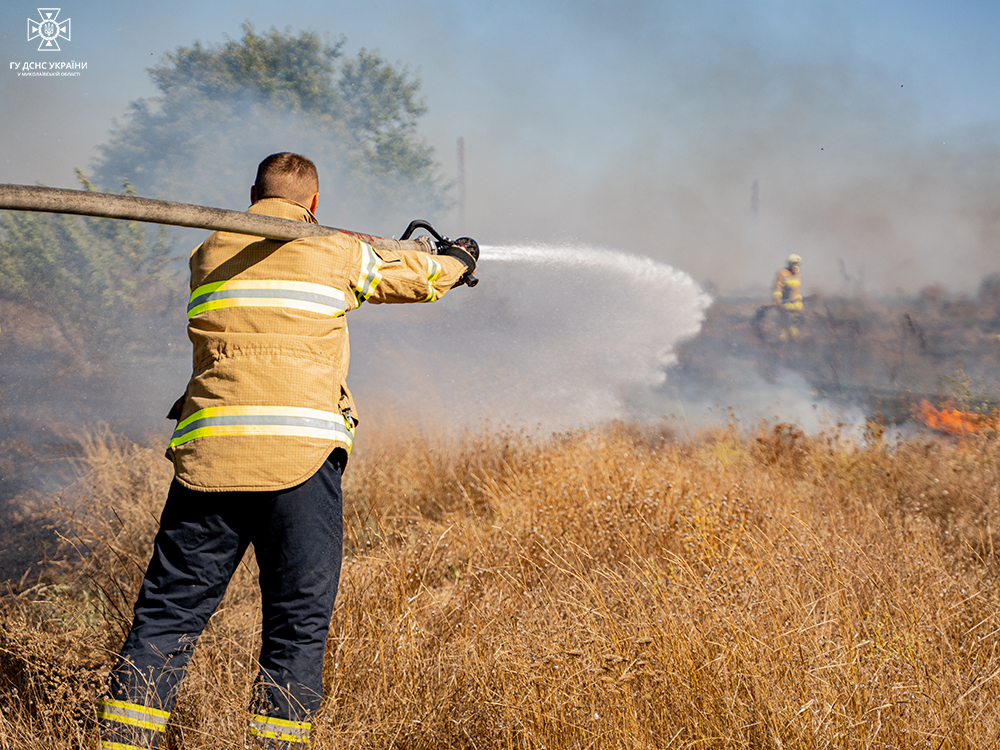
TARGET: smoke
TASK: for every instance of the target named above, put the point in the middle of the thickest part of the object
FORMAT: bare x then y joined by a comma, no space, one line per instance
217,162
705,140
677,109
552,337
639,125
748,400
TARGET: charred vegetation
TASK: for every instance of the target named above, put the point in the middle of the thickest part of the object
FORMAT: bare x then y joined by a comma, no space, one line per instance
883,354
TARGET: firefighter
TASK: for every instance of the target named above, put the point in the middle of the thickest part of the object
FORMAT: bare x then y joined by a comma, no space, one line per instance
788,297
263,433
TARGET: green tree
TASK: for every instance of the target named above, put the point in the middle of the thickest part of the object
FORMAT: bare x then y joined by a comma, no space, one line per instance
221,108
92,278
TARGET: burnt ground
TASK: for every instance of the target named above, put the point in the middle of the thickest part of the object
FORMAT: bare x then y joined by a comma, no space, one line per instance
882,355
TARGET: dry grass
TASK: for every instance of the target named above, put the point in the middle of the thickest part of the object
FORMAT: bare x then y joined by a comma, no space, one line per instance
606,588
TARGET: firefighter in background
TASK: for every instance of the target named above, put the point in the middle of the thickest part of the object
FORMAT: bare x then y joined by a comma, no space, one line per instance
788,297
262,438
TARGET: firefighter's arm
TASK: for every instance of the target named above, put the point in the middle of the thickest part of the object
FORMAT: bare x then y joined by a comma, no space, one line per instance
779,286
387,276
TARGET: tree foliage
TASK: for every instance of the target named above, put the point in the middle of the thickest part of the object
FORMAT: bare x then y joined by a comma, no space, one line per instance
221,108
91,277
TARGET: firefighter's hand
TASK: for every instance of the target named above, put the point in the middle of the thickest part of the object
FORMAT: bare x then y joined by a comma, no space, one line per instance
177,409
466,250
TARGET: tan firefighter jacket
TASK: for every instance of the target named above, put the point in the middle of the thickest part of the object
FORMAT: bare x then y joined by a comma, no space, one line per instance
268,401
788,289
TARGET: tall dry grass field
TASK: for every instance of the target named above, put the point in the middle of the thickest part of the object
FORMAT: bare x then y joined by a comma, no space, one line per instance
609,588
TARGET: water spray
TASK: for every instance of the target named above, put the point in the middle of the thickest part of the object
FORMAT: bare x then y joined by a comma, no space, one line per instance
563,336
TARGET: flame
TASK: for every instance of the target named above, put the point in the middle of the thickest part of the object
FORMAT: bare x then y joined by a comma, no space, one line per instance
951,420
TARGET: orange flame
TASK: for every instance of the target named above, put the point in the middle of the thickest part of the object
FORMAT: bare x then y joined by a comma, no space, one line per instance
954,421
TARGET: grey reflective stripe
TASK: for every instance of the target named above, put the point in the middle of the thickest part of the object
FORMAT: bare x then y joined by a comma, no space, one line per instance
133,714
280,729
319,424
319,299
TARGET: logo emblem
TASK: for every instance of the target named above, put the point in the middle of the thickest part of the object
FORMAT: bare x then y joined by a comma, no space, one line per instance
49,29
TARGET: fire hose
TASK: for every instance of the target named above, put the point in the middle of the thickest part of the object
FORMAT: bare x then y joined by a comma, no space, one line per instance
132,208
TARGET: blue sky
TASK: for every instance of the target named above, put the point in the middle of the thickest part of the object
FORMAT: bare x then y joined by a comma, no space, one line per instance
872,129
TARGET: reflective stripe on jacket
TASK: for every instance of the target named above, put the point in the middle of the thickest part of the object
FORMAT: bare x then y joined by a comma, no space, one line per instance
268,398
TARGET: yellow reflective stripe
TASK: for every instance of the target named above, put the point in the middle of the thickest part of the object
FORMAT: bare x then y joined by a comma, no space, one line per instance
793,282
133,714
370,275
433,271
105,745
245,430
300,295
279,729
229,421
295,304
130,721
138,708
301,726
433,268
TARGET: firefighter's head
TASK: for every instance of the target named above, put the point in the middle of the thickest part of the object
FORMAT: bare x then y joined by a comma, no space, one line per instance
287,175
793,262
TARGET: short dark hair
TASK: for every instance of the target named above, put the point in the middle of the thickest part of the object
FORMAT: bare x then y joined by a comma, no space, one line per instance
287,175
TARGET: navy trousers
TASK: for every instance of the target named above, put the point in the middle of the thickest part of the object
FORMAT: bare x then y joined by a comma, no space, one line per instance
297,536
